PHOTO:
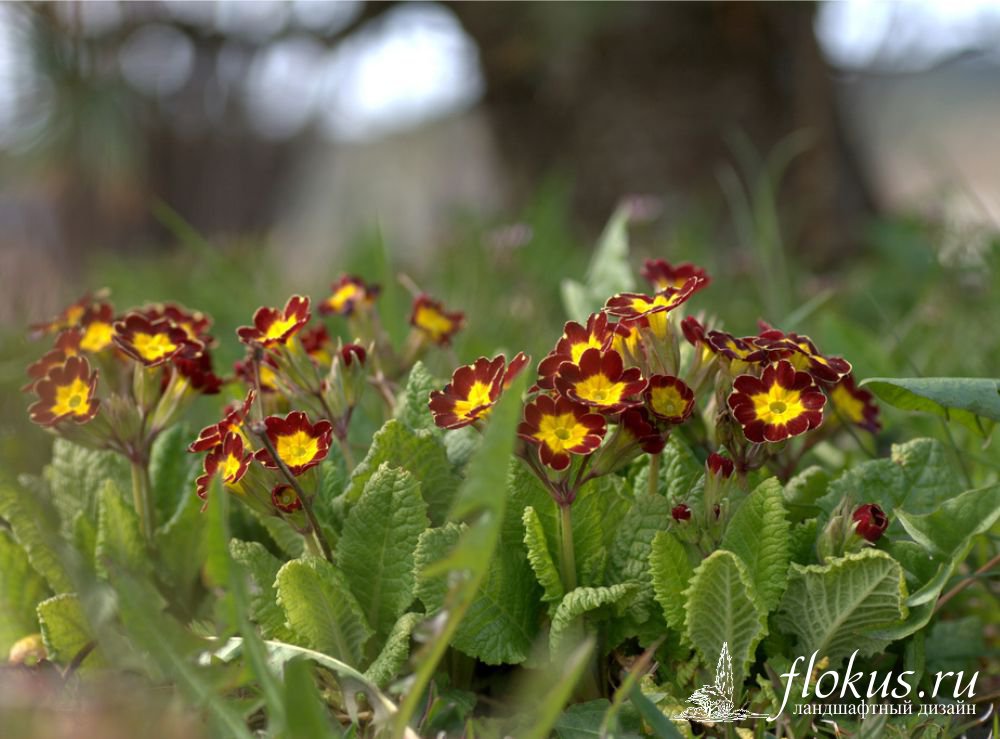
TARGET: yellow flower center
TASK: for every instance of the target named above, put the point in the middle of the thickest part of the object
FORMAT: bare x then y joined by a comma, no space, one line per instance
667,401
599,389
153,346
561,432
778,405
344,294
97,336
73,315
230,467
479,395
576,350
433,322
277,329
72,399
268,377
847,405
297,449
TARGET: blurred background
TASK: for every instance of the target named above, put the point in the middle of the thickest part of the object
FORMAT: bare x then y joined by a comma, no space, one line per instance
836,166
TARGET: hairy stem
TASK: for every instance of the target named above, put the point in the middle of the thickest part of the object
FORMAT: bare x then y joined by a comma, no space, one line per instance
567,560
654,474
141,499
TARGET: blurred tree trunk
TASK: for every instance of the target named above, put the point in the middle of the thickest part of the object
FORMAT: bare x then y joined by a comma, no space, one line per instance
648,97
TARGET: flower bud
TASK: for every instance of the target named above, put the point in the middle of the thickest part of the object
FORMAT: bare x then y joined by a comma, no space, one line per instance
681,512
870,522
720,466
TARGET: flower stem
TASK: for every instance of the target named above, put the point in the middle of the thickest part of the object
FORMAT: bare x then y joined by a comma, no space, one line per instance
345,449
654,474
313,545
567,562
141,499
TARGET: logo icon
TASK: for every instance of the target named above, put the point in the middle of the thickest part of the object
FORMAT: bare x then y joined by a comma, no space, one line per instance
714,703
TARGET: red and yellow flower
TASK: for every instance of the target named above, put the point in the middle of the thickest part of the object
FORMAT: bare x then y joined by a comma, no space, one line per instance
70,316
669,398
194,323
576,339
230,460
661,274
856,405
275,327
737,354
654,308
780,404
317,343
199,373
474,390
232,422
431,319
268,380
67,392
299,443
637,425
153,342
559,428
285,499
347,294
802,353
67,345
97,328
601,381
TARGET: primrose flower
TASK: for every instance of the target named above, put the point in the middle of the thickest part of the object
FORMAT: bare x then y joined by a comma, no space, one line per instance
285,499
576,339
871,522
98,328
70,316
67,392
230,460
349,293
637,424
153,342
274,327
560,428
601,381
661,274
855,405
67,345
317,343
719,466
474,390
232,422
738,354
633,305
669,398
268,380
780,404
199,372
431,319
803,354
299,443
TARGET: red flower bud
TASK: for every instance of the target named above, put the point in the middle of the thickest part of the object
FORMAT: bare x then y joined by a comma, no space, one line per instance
871,522
720,466
681,512
351,352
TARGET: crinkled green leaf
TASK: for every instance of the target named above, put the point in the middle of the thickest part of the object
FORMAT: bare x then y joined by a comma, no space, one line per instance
307,715
583,720
609,271
172,471
395,653
567,628
21,588
967,400
838,607
321,610
35,531
263,569
803,490
758,535
421,454
546,571
376,548
120,543
628,559
460,444
723,608
680,472
180,545
412,408
76,477
671,571
64,627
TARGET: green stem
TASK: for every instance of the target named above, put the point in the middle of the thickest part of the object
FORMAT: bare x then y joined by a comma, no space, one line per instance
312,545
567,562
345,449
141,499
654,474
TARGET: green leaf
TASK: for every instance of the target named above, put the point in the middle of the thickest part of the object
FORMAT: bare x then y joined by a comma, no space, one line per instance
76,477
306,713
35,530
119,539
723,608
180,546
172,471
412,410
583,721
21,588
395,653
758,535
836,608
376,548
263,569
680,472
320,609
661,725
554,691
283,534
803,490
546,571
419,453
629,555
966,400
609,271
671,573
64,627
567,627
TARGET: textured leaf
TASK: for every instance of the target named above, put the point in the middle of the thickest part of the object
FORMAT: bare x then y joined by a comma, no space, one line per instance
419,453
320,609
306,713
629,555
263,569
395,653
120,542
609,271
376,549
723,608
180,545
758,535
966,400
680,472
567,630
172,471
64,628
671,573
803,490
460,444
546,571
34,531
283,534
412,410
21,588
583,720
76,477
836,608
